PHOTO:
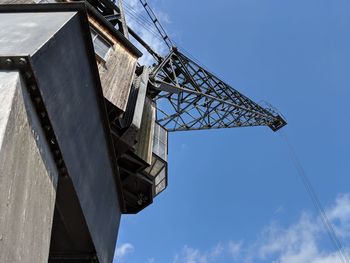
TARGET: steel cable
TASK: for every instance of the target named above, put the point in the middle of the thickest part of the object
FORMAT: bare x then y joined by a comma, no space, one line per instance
315,200
133,14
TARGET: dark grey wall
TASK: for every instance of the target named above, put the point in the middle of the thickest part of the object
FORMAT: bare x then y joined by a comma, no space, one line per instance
65,69
72,97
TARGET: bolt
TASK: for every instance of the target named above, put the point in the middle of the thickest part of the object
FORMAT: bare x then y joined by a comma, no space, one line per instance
22,61
33,87
141,199
8,61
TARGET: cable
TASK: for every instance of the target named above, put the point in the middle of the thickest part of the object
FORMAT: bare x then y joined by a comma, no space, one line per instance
132,16
144,18
157,24
139,19
147,24
315,200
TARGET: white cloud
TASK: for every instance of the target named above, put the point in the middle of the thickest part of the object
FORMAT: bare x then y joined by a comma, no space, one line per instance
301,242
217,251
279,210
122,251
295,243
134,8
234,249
339,214
194,255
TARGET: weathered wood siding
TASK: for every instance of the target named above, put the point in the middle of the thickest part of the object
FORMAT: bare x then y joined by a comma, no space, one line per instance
28,178
144,147
116,73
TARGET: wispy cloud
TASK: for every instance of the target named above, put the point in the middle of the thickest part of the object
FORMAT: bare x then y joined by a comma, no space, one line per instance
216,251
194,255
302,242
122,251
279,210
147,32
235,249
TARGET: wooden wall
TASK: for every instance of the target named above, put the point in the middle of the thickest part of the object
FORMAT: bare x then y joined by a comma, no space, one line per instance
116,73
144,146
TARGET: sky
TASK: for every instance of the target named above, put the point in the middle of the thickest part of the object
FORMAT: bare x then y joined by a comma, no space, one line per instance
234,195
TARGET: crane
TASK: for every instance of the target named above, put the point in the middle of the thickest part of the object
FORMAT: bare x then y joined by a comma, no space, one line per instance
174,94
189,97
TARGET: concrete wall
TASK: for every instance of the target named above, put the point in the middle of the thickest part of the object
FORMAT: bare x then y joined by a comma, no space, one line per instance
28,177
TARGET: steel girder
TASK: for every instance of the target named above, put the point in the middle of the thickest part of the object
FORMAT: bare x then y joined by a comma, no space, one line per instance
189,97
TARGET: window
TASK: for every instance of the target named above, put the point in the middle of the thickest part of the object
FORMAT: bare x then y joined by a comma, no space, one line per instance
158,170
160,141
101,45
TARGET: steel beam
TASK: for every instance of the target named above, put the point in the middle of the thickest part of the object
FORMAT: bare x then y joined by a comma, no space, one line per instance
189,97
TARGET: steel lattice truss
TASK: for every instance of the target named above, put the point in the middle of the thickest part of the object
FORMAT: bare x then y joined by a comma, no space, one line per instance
191,98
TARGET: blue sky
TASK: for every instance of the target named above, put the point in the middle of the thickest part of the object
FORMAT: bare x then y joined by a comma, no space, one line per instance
234,195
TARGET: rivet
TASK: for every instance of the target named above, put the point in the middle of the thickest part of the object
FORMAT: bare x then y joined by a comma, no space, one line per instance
8,61
33,87
22,61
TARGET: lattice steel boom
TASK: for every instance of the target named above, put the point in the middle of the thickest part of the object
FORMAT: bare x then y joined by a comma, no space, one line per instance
191,98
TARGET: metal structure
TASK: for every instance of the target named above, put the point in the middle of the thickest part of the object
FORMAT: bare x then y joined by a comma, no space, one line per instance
191,98
185,97
157,24
84,127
